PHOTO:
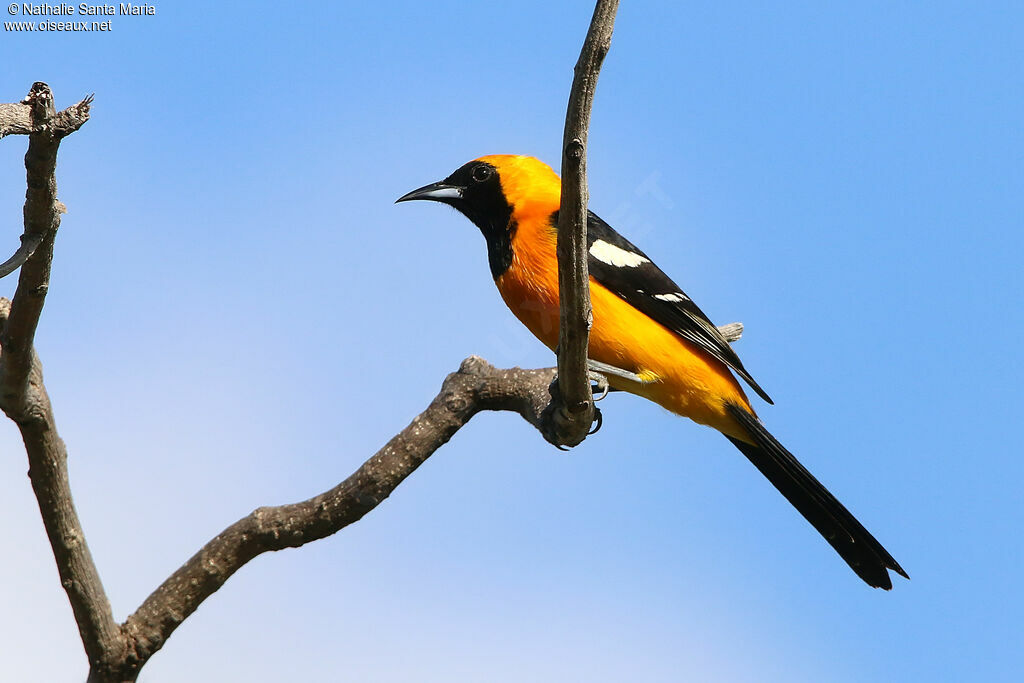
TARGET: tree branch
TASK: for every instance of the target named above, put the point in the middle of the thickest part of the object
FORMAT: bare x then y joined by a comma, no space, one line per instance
19,118
476,386
22,394
576,410
36,117
48,472
42,218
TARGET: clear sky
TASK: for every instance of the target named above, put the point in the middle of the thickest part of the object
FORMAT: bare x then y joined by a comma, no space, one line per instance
239,316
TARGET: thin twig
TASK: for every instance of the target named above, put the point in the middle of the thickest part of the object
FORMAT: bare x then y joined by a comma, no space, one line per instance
576,412
29,244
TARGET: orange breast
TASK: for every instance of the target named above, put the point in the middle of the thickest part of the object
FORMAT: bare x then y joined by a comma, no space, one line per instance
686,380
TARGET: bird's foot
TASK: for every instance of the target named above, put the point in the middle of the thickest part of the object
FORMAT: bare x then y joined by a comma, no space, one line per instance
600,372
600,387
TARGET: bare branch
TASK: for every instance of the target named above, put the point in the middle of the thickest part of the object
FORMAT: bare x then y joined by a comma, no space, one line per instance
35,116
22,394
29,244
476,386
48,472
17,119
576,412
42,218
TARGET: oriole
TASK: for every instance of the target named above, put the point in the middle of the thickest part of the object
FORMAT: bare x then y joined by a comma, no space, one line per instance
643,324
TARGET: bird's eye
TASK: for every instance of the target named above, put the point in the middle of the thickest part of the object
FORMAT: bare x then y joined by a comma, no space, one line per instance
482,174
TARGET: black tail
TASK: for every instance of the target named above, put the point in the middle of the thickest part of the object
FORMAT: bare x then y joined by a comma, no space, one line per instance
862,552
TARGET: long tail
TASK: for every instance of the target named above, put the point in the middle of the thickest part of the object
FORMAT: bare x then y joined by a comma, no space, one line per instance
862,552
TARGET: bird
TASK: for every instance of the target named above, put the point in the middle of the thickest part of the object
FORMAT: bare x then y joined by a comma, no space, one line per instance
647,335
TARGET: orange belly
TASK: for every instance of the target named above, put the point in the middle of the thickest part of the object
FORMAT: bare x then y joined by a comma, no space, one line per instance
684,379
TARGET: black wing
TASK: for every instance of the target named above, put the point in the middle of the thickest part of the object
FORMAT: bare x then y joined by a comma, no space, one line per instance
620,266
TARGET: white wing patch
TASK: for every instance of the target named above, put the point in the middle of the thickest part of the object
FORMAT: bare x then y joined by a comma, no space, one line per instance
615,256
675,298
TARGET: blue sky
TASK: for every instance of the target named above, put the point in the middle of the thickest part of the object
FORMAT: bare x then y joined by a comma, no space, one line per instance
239,316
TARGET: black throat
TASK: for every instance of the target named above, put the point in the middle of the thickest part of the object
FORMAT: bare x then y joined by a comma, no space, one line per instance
499,246
498,228
484,203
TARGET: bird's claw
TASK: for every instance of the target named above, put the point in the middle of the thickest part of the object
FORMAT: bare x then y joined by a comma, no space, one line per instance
601,384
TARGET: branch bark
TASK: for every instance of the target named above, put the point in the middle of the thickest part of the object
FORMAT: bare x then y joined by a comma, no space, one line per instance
475,387
48,473
575,412
22,118
36,117
23,396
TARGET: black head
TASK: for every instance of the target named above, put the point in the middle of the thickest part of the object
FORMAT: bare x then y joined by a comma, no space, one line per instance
474,189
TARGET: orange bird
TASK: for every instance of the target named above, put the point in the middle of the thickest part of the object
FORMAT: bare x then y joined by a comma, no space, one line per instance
648,337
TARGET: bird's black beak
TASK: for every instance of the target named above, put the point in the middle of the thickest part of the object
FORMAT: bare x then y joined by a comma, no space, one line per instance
436,192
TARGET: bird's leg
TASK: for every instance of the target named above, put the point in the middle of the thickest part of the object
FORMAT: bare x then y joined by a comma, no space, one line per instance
601,385
604,370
